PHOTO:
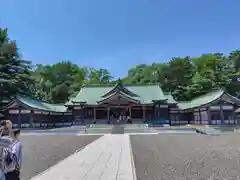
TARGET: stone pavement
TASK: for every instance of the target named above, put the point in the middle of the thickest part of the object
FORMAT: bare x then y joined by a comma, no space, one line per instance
130,129
108,158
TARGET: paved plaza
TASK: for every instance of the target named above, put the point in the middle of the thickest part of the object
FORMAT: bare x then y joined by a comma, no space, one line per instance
107,158
118,154
111,129
42,152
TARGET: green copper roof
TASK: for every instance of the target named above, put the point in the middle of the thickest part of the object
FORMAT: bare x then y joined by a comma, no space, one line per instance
40,105
201,100
145,93
127,96
120,87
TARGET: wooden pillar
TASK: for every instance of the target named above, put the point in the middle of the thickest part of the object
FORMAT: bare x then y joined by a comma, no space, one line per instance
94,113
200,116
236,121
155,111
234,118
193,116
108,113
234,114
168,115
189,117
83,113
31,118
41,119
209,115
19,119
130,111
72,116
144,112
221,114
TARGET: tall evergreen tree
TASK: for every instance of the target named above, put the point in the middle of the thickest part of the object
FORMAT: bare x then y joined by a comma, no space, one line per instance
14,72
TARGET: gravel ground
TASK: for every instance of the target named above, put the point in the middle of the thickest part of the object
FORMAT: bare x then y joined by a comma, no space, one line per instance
186,157
41,152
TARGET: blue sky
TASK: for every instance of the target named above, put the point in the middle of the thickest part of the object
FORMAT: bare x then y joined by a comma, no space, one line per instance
119,34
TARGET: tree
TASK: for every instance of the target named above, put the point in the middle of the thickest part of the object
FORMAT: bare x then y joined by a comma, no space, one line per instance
15,71
179,76
235,58
79,78
53,78
138,74
99,76
60,93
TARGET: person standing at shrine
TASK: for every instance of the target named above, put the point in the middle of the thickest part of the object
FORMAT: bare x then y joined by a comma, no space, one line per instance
13,172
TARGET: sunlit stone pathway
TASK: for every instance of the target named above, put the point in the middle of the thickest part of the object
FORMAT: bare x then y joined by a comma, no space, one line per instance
108,158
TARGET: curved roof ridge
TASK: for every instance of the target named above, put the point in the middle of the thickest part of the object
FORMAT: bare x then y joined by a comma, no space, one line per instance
120,92
211,92
41,105
45,102
201,100
204,95
31,97
117,88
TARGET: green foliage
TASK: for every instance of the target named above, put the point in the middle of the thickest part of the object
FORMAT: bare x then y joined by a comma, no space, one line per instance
14,72
55,83
185,77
